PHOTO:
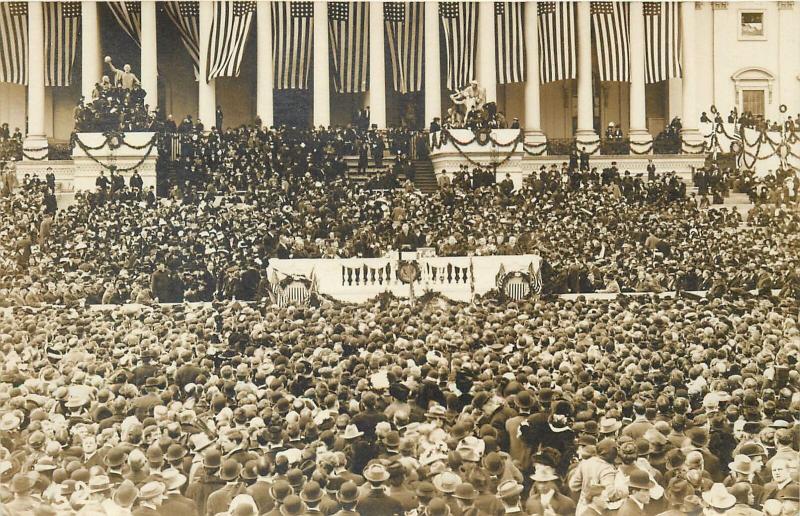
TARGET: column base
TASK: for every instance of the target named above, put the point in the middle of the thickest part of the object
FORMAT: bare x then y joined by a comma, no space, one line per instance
692,141
34,148
587,139
641,141
535,142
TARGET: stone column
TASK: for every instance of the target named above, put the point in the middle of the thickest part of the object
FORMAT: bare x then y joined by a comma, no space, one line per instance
433,78
585,135
264,71
149,53
207,91
486,63
377,66
91,60
689,114
639,137
36,137
533,115
322,76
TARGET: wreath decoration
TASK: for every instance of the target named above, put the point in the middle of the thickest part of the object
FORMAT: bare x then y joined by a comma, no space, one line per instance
408,271
736,147
782,108
292,278
114,139
483,136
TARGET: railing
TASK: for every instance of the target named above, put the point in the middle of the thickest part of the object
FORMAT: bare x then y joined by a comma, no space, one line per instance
615,146
560,146
666,143
59,151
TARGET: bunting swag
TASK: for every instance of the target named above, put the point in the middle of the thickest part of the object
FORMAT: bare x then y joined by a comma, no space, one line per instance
348,30
61,24
460,24
14,42
292,32
405,35
129,17
229,29
509,41
662,41
186,17
611,23
557,41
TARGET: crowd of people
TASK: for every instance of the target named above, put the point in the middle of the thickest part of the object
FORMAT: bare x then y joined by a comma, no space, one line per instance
597,231
638,406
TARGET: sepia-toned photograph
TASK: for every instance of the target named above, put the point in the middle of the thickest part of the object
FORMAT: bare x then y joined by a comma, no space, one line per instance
421,258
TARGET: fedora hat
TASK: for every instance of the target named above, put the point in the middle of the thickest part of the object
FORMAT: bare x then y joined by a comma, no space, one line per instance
173,479
351,432
212,458
742,464
348,493
230,470
22,483
9,422
99,483
544,473
640,480
376,473
125,494
465,491
509,488
446,482
609,425
494,464
115,457
311,492
718,497
293,506
438,507
175,452
151,490
200,441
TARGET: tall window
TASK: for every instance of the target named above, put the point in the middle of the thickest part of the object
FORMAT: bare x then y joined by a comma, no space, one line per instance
753,101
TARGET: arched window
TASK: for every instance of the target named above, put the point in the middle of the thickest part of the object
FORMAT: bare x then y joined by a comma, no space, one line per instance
753,89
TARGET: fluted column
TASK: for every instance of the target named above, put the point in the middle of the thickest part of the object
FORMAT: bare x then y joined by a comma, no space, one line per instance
322,76
689,115
533,116
486,64
639,137
585,135
207,91
377,66
35,137
433,79
264,72
91,67
149,53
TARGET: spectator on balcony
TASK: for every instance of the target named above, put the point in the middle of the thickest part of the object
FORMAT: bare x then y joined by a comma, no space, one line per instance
219,117
5,132
435,126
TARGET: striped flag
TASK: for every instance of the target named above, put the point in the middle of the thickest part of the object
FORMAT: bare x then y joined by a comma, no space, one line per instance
186,17
229,29
348,30
557,41
14,42
129,17
460,24
61,25
662,41
611,23
292,40
405,35
509,41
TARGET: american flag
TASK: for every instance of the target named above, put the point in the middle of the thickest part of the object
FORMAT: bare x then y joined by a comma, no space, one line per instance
186,17
662,41
61,25
509,41
292,33
229,29
129,17
557,41
460,24
14,42
611,22
348,30
405,35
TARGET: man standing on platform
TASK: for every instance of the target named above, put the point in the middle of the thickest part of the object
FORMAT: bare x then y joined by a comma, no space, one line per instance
124,77
219,116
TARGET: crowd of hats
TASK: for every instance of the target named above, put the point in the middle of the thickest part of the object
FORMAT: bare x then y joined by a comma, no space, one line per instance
592,231
445,409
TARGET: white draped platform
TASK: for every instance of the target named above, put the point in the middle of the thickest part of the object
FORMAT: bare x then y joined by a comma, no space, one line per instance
360,279
134,149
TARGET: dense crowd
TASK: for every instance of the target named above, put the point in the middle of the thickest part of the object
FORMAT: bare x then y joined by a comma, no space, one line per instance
636,406
603,231
114,109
